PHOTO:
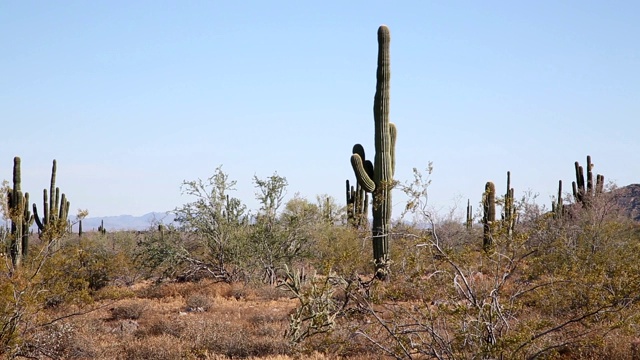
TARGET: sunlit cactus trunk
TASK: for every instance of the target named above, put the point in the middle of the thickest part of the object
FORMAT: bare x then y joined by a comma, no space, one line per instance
20,216
489,218
377,178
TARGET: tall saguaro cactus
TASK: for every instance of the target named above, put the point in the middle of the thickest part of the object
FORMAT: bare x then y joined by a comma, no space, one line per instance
489,218
56,209
377,178
20,217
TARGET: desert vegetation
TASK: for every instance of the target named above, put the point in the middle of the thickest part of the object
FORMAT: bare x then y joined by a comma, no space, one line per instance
317,279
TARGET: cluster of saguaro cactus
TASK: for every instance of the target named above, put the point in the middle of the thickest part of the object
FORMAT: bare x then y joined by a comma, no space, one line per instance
101,228
377,177
21,218
56,210
357,206
509,214
489,217
584,193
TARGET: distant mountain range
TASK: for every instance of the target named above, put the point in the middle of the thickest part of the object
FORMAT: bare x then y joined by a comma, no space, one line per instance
126,222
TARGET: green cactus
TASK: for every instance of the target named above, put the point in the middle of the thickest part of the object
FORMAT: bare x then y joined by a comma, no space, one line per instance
377,178
469,222
53,224
557,207
582,194
357,209
489,218
509,215
21,218
101,228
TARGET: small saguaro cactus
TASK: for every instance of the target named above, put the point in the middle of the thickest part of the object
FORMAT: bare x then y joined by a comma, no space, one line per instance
469,223
357,209
101,228
489,218
557,207
56,210
584,194
377,177
21,218
509,214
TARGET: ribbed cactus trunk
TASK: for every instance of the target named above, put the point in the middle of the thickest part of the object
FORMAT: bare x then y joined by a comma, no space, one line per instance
16,212
489,218
20,217
510,213
377,178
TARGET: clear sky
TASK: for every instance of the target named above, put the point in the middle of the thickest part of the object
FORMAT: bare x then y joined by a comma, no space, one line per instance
133,97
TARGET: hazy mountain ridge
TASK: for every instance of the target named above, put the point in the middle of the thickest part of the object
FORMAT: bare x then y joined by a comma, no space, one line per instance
126,222
628,199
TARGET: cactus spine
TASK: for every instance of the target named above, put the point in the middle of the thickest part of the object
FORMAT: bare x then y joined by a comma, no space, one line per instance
377,178
56,210
20,217
582,194
489,218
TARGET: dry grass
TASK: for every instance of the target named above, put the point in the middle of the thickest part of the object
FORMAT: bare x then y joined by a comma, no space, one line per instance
204,320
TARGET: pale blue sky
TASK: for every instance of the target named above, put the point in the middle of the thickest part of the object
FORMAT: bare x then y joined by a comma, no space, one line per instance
133,97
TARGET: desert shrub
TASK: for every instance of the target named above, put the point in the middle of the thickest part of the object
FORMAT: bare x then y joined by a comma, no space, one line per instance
112,292
162,347
232,340
159,325
131,310
198,302
55,341
60,281
342,250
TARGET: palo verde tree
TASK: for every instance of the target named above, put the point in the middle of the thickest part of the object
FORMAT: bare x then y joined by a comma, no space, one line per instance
377,177
216,220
